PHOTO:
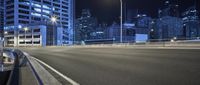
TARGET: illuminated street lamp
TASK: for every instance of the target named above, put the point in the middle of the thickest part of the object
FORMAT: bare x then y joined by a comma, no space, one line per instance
6,32
172,40
175,38
152,30
25,30
53,20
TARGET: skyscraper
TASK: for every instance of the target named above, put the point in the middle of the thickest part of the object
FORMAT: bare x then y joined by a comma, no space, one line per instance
169,9
25,13
1,17
85,26
191,23
169,25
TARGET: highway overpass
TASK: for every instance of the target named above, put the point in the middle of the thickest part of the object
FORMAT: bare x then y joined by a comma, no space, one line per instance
121,65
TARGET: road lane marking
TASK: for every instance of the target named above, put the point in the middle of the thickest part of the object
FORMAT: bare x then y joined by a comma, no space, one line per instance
41,74
59,73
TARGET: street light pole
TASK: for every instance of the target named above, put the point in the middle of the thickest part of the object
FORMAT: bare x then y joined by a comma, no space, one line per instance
53,34
53,20
121,21
25,29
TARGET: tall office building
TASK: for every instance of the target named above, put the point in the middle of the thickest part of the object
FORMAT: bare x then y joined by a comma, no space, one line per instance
85,26
169,9
21,14
1,17
169,25
191,23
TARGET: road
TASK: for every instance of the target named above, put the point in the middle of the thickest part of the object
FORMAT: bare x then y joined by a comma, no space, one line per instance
123,66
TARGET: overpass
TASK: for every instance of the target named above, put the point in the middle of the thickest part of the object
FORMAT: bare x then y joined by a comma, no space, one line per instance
122,64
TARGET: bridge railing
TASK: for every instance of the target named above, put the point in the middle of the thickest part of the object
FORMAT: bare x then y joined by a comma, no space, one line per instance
150,43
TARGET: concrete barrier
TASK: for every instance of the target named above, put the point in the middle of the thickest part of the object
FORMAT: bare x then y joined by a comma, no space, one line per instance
21,74
45,77
195,44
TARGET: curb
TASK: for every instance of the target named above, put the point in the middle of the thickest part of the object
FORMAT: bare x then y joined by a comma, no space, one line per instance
42,75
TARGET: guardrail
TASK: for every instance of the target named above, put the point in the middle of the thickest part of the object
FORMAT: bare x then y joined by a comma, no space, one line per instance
183,43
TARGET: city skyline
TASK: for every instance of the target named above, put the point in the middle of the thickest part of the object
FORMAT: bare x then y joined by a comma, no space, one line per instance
167,19
99,42
111,12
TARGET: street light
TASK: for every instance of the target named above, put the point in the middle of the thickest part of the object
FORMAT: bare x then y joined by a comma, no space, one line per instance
25,29
152,30
6,32
175,38
121,22
53,20
172,40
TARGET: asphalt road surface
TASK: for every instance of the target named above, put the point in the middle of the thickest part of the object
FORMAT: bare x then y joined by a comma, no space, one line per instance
123,66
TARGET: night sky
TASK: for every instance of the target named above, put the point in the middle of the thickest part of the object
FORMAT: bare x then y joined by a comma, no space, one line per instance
108,10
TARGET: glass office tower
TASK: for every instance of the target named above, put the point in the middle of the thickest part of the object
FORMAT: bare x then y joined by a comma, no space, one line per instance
20,14
1,18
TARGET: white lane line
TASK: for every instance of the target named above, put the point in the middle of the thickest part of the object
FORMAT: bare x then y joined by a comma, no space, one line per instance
60,74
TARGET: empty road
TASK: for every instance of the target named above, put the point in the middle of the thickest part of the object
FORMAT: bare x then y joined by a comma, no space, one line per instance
123,66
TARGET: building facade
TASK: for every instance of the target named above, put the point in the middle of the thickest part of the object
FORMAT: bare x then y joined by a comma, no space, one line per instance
169,9
169,25
85,26
32,36
191,23
25,13
1,17
128,31
100,32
